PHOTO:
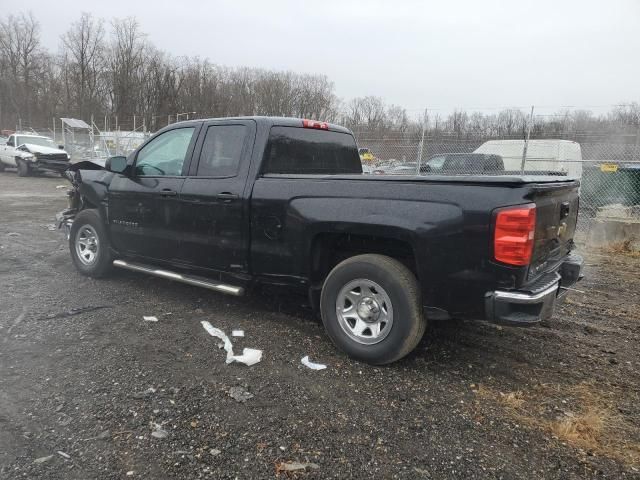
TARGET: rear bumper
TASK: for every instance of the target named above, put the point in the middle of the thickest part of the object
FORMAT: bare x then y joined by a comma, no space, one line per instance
536,302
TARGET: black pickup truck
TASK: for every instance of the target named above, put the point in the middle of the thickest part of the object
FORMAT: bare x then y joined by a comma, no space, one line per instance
230,203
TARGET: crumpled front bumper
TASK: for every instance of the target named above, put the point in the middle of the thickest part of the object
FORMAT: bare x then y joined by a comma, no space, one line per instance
52,165
64,220
537,301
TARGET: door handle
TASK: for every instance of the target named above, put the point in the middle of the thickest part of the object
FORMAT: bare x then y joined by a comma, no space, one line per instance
227,196
166,192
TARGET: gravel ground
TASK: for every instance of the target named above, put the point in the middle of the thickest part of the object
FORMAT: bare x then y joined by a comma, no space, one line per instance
85,381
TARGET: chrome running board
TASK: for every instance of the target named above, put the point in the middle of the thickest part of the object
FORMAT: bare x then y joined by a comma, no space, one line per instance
198,282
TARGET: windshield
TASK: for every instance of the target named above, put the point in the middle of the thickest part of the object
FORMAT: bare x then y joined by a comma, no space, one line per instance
42,141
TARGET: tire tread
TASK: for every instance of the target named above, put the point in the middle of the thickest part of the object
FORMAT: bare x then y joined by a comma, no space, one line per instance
409,283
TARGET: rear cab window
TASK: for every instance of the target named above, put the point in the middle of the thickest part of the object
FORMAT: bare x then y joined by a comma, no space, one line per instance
307,151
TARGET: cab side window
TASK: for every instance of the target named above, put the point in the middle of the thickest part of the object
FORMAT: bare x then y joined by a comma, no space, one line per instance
11,142
221,151
165,154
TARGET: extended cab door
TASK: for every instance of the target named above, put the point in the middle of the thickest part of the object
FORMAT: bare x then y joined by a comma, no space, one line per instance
144,208
214,226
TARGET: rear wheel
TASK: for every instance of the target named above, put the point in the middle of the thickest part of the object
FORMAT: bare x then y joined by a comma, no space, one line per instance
89,244
1,166
23,168
371,308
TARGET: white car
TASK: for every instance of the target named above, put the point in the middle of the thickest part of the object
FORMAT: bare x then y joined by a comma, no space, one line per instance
32,153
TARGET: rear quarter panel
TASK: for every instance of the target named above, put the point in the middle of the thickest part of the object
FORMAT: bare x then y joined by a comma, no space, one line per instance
447,226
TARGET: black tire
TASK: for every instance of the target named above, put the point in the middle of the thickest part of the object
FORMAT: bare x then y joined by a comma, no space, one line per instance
23,168
401,287
89,221
1,166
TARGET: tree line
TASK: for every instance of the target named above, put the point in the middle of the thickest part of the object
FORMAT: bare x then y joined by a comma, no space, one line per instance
110,70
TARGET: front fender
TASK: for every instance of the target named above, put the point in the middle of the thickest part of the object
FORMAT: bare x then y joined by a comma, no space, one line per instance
29,157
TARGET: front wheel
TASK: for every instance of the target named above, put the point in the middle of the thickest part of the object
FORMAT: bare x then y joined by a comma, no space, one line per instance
89,244
371,308
23,168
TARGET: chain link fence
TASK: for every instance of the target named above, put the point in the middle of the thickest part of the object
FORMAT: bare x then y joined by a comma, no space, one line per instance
95,143
609,172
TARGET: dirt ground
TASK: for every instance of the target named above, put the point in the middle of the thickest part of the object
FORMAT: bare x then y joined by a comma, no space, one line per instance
84,380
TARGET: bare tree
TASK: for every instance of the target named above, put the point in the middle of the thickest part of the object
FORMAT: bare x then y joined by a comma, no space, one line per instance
83,62
126,63
20,51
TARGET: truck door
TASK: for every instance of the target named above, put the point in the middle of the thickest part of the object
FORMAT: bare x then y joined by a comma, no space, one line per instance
215,223
144,208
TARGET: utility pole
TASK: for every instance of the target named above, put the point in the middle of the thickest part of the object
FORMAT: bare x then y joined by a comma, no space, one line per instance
92,137
526,142
424,127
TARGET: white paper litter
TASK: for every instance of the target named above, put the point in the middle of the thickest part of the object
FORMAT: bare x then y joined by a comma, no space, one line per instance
237,333
61,186
250,356
313,366
158,431
150,318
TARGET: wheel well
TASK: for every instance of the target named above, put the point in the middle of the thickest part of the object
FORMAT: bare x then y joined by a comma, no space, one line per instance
332,248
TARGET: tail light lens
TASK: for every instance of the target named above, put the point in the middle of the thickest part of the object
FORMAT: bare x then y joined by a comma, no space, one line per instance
314,124
514,233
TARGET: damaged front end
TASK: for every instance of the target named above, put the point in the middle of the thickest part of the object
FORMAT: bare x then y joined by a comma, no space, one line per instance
40,158
81,195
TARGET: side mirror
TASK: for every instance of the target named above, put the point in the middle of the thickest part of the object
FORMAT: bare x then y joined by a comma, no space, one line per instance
61,147
116,164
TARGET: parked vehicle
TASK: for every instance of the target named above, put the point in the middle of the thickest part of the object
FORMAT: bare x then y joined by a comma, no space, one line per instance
464,164
32,153
228,204
366,156
561,156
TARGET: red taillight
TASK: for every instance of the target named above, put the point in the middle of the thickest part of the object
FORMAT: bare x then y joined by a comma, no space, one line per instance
314,124
513,235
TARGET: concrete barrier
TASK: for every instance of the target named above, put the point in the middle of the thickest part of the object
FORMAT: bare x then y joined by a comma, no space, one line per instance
616,225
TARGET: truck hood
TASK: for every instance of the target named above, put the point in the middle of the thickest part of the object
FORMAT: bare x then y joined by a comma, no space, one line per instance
33,148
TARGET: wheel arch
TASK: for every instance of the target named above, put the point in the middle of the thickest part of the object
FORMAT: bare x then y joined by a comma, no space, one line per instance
329,248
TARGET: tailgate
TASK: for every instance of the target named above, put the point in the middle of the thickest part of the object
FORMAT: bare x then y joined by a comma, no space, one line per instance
556,217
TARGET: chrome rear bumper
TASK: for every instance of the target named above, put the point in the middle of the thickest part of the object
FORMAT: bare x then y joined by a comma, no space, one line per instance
528,306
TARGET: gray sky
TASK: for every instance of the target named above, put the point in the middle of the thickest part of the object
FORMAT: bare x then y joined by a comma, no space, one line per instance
473,54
